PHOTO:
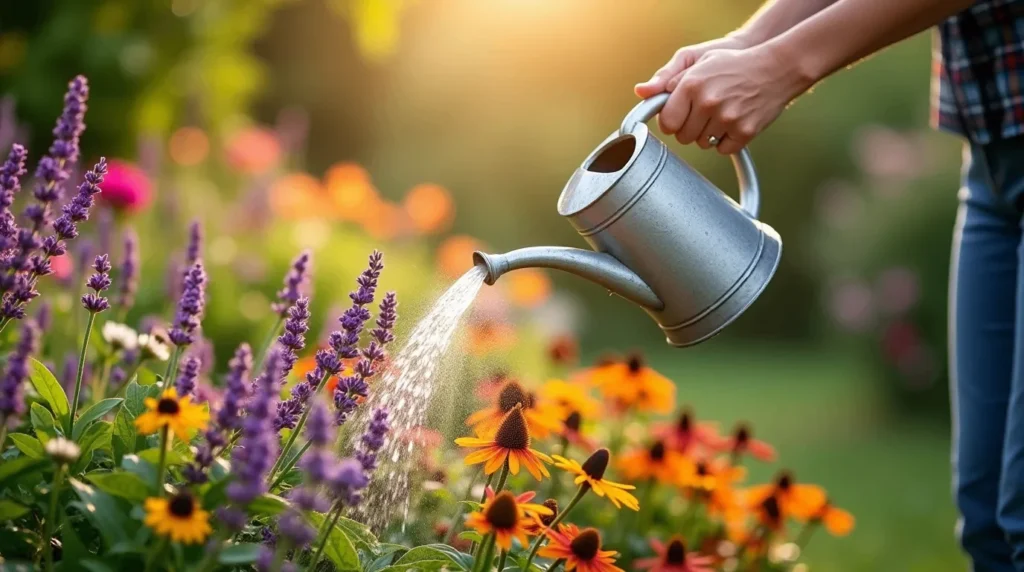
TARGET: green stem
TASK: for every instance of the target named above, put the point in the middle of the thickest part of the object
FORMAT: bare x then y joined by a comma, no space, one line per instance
81,372
325,534
453,529
172,366
556,479
501,560
502,478
556,564
483,561
267,342
289,464
154,555
584,488
298,427
483,497
806,533
3,432
100,386
3,324
51,517
644,514
161,468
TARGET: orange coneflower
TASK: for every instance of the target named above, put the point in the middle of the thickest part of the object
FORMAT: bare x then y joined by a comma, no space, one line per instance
507,516
836,520
674,558
563,350
712,482
510,443
488,388
797,500
742,441
656,462
591,473
539,522
573,434
569,397
581,550
687,434
541,418
631,384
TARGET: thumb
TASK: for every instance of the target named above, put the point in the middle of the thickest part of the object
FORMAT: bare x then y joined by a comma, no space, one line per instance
659,83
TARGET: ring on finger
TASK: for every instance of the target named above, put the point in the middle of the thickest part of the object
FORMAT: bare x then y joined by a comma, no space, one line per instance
713,141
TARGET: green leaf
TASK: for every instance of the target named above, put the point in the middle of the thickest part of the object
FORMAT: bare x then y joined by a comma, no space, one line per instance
95,438
123,441
11,566
146,377
470,535
28,445
43,423
268,504
145,471
135,399
472,505
50,390
422,566
122,484
432,552
215,494
153,456
10,510
94,413
73,549
104,512
339,547
359,534
93,565
17,467
244,553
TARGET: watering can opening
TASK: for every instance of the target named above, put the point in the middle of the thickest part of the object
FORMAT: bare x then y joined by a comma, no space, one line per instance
613,157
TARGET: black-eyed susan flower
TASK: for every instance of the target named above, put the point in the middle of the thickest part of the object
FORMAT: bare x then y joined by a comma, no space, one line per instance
631,384
569,397
572,432
507,516
656,462
542,418
180,415
687,435
837,521
591,474
581,549
179,517
510,443
742,441
799,501
538,522
672,557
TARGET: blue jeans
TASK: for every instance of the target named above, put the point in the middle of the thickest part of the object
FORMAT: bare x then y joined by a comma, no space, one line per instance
987,356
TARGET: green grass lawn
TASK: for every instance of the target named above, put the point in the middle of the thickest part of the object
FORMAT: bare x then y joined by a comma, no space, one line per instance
820,412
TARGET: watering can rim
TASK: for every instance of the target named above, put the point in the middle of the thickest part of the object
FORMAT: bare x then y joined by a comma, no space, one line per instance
606,180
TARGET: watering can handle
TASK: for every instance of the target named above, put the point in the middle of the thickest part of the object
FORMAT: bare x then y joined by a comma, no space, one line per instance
750,194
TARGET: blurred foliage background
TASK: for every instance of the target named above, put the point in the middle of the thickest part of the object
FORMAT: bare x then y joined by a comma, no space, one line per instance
429,128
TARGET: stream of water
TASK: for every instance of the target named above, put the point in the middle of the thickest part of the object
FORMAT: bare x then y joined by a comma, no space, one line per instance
406,390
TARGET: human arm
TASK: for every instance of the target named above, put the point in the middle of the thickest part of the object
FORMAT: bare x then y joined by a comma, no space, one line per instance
772,19
734,94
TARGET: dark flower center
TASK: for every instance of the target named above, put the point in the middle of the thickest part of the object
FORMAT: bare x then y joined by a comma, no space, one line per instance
685,420
168,406
586,545
772,512
702,469
546,520
573,421
513,433
512,394
503,513
742,436
657,451
181,505
597,464
676,552
635,363
785,482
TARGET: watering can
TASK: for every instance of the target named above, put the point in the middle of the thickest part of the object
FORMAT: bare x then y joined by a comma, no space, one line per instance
663,236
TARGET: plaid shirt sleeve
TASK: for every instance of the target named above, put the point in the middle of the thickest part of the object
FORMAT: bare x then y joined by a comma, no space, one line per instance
978,72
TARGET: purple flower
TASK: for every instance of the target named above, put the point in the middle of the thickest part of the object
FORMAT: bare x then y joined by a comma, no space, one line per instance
348,481
294,283
293,527
227,418
194,253
175,269
252,458
373,440
129,270
351,387
76,211
293,340
186,383
44,317
10,183
98,282
12,404
352,321
190,306
52,170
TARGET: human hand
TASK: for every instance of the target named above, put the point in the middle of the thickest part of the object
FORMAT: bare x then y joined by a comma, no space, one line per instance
731,95
683,59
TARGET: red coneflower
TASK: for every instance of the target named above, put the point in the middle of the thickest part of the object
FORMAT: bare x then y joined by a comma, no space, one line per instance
581,550
674,558
742,441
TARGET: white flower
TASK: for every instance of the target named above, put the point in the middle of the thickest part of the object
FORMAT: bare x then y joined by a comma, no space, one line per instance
62,450
152,346
120,336
788,552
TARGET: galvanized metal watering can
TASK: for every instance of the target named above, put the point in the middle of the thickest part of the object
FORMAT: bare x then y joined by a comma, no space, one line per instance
663,236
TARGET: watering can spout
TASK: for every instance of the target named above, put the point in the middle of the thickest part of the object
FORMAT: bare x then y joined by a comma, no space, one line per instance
598,267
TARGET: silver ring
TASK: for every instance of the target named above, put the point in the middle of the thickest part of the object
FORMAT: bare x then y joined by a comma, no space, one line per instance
713,141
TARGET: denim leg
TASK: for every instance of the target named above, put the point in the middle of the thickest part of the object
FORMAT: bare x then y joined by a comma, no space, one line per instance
1006,164
983,290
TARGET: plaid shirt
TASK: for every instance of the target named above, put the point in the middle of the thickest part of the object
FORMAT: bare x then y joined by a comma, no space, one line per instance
978,87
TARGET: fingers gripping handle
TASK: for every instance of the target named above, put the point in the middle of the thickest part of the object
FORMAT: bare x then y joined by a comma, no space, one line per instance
750,193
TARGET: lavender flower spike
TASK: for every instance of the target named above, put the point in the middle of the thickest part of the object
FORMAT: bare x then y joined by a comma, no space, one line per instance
76,211
194,253
129,271
351,387
293,340
10,183
190,306
294,283
373,440
252,458
12,404
186,383
98,282
227,418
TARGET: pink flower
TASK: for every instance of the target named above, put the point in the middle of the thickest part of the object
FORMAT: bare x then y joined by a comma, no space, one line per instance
126,186
253,151
62,266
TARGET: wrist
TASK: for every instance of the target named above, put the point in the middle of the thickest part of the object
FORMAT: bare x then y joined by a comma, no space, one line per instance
743,38
800,68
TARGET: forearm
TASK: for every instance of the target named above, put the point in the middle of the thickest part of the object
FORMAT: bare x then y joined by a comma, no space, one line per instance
776,17
850,30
